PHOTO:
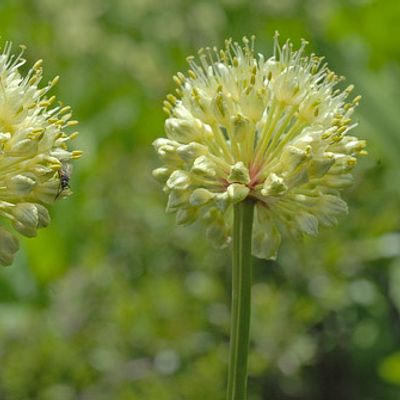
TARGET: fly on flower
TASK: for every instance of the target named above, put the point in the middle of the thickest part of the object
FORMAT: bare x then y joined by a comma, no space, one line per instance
275,130
64,175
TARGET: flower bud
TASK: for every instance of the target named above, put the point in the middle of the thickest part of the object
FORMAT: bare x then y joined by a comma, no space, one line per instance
177,198
237,192
274,185
307,223
26,219
343,165
320,166
167,150
293,157
266,238
222,201
179,180
217,234
189,152
186,131
46,192
239,174
43,216
21,185
186,216
200,197
161,174
8,247
203,166
338,181
266,242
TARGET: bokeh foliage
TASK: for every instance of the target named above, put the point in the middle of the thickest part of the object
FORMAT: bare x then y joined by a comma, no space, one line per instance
112,301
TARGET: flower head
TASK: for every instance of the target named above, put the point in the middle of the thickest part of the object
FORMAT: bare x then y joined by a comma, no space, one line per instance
33,150
272,130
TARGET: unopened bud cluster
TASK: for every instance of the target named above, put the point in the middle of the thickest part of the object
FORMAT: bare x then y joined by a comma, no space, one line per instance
33,148
274,131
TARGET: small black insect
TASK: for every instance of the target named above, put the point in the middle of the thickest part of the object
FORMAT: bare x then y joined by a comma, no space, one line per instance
64,175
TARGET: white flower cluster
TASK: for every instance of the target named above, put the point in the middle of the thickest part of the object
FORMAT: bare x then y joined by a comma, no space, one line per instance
274,130
33,150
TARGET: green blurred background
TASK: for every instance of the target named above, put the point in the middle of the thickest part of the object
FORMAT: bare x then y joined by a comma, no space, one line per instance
112,301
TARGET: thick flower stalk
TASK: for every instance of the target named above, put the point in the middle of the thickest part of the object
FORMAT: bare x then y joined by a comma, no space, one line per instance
33,151
275,131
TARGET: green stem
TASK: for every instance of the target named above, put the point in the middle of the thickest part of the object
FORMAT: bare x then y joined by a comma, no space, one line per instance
240,308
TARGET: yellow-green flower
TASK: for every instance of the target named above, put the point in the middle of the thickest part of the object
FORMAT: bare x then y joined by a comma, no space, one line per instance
33,150
273,130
